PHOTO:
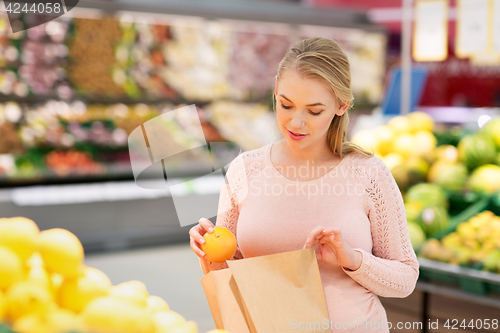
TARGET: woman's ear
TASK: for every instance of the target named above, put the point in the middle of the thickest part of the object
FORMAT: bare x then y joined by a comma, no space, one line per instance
342,109
276,85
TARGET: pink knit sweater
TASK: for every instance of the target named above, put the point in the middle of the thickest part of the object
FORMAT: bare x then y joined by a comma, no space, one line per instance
269,213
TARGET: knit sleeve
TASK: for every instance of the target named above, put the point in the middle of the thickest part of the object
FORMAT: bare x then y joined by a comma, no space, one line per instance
231,195
392,269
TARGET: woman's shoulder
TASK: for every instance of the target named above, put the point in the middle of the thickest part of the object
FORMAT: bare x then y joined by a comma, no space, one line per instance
369,167
249,160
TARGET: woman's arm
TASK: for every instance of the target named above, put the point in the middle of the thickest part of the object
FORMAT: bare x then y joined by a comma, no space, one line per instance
228,210
392,269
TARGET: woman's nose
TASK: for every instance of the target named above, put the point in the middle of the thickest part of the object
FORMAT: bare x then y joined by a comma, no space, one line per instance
297,121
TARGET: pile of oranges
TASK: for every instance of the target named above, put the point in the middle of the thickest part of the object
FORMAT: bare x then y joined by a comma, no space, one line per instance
46,288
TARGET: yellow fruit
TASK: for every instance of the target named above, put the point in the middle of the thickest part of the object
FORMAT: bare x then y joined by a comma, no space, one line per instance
61,251
109,314
39,274
155,304
27,297
56,320
3,307
11,267
220,245
35,260
385,136
420,121
134,291
404,144
75,293
424,142
56,281
31,323
166,321
62,320
392,160
399,124
19,234
366,139
447,153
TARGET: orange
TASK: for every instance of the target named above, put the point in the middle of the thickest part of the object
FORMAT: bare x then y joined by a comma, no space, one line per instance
220,245
19,234
76,293
61,251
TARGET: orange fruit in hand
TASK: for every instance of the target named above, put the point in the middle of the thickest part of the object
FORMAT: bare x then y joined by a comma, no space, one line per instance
220,245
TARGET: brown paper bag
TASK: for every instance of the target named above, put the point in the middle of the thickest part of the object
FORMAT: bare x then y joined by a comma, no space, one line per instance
273,293
225,301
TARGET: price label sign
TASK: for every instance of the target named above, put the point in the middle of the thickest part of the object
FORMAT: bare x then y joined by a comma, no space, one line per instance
473,23
430,38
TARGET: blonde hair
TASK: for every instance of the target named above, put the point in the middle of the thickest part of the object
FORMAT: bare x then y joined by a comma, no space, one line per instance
322,58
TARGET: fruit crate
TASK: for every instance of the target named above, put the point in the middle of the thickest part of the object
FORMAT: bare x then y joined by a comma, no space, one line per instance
461,201
476,204
470,279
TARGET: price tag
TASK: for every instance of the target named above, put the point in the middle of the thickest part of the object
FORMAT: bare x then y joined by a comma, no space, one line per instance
430,39
472,27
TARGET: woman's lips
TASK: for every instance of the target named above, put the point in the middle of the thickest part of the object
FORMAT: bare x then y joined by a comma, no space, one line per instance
296,136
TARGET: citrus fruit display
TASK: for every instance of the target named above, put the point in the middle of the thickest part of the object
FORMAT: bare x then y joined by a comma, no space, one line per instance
61,251
474,242
19,234
46,288
11,268
476,150
220,245
76,293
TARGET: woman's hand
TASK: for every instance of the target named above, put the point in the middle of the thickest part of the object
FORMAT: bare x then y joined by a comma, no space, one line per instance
333,250
196,236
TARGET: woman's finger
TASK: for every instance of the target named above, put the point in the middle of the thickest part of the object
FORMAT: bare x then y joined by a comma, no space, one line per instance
206,224
314,236
331,230
195,234
196,249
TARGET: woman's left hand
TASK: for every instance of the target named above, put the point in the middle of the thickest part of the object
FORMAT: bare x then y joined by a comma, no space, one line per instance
333,249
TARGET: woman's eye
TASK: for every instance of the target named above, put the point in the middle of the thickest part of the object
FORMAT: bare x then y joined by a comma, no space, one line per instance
315,113
285,107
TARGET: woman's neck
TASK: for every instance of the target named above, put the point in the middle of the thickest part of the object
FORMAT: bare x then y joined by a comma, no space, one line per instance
316,154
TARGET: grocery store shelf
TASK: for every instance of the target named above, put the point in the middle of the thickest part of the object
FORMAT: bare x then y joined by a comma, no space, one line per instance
47,195
459,271
439,289
262,11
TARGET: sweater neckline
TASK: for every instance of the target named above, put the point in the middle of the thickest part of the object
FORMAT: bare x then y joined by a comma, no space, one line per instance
298,182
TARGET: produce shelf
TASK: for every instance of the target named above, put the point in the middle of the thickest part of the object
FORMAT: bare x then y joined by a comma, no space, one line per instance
469,280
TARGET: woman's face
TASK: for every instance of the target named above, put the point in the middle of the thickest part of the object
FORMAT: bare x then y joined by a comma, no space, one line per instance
304,106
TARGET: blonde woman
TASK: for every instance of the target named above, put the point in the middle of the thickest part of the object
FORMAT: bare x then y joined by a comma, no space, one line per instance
315,189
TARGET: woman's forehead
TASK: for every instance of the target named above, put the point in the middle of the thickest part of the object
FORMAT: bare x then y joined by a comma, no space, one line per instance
307,90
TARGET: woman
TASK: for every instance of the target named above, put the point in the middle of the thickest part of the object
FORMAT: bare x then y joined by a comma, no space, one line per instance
315,189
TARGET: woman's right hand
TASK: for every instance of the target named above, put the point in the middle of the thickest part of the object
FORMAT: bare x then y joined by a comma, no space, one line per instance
196,234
